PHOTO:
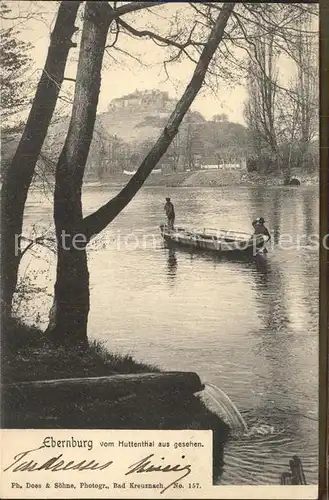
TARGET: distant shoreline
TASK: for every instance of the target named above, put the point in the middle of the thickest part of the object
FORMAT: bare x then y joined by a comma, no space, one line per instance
213,178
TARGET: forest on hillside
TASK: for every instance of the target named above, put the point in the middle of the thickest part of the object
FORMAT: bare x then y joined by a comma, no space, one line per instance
198,142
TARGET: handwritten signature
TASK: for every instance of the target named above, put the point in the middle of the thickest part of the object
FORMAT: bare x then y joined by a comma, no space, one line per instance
145,465
24,462
53,464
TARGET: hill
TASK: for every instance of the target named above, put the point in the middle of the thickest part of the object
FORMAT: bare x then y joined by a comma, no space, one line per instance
125,133
140,116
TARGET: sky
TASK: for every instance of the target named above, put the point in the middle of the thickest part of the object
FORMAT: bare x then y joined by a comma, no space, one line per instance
127,75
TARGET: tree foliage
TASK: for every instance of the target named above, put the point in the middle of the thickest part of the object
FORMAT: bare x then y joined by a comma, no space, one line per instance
14,60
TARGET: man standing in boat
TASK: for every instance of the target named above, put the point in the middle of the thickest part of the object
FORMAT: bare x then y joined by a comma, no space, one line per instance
170,213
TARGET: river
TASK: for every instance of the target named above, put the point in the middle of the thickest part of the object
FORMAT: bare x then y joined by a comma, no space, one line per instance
250,328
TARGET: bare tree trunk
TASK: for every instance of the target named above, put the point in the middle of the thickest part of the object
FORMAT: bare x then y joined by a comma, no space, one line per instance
20,173
69,322
260,111
71,302
306,88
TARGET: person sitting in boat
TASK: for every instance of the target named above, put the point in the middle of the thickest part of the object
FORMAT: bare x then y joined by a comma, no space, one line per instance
170,213
260,228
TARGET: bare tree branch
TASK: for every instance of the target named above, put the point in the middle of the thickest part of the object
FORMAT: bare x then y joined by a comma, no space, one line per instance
40,240
128,54
116,36
164,40
134,7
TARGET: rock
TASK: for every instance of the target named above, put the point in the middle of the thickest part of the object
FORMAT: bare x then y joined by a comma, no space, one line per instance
294,182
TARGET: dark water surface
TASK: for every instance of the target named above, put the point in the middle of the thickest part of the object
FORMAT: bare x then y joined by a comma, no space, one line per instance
249,327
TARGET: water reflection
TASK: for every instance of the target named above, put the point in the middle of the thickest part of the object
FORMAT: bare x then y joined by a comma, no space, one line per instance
171,264
258,196
263,269
270,293
276,217
308,210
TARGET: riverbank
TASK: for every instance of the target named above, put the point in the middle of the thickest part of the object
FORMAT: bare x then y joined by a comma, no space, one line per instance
211,178
254,179
28,356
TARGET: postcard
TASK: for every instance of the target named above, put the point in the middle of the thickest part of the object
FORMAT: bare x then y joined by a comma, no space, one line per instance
160,250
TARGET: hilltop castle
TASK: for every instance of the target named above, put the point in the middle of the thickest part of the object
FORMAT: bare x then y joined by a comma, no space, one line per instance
155,100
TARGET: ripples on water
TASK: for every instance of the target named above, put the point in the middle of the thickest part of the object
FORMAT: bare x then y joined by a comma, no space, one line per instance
249,327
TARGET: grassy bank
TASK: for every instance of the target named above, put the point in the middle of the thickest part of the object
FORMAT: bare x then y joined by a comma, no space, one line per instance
28,356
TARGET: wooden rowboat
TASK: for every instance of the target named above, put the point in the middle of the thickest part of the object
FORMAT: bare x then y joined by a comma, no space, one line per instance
215,240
